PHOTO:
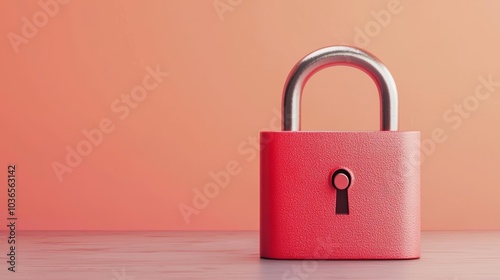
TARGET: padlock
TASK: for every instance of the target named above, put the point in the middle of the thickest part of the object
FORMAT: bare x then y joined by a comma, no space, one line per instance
340,194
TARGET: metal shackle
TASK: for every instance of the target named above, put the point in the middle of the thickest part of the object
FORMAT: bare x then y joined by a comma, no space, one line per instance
340,55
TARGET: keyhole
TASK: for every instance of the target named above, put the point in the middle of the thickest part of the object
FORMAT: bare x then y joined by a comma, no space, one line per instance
341,180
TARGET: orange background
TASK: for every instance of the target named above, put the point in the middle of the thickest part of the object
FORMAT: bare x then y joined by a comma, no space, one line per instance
226,73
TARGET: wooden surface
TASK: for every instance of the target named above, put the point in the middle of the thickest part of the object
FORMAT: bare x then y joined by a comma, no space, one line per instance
233,255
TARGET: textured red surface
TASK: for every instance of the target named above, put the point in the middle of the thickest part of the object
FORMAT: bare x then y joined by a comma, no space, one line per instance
297,199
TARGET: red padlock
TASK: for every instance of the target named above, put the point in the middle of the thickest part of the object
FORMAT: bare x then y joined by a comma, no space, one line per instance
339,194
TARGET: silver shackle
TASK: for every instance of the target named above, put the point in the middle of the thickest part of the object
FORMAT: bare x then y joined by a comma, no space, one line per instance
340,55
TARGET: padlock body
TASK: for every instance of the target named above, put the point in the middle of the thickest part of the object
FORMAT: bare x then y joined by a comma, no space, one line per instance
298,218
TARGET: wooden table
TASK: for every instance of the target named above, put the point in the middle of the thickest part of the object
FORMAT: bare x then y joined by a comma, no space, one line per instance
232,255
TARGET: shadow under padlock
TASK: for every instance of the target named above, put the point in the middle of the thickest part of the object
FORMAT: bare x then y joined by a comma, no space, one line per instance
358,189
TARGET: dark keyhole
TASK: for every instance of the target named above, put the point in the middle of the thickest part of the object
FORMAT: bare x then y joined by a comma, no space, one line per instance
341,180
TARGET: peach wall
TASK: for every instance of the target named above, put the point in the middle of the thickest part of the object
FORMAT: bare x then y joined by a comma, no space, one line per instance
180,89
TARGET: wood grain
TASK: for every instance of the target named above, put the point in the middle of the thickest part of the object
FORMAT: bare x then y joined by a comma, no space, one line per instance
233,255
